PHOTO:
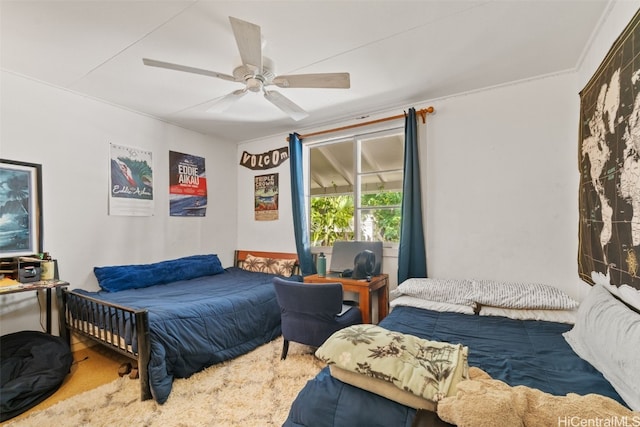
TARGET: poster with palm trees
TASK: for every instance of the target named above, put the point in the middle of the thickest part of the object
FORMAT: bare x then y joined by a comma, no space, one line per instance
20,208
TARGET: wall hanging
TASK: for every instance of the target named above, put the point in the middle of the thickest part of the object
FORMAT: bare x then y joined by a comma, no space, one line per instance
130,181
609,154
20,208
266,197
187,185
267,160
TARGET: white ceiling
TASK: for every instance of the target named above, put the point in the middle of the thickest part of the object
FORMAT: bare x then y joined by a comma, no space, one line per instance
397,52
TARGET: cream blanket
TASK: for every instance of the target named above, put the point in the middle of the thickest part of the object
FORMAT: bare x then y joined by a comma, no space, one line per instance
482,401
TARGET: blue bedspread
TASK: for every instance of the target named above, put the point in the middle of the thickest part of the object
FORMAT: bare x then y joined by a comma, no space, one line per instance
196,323
518,352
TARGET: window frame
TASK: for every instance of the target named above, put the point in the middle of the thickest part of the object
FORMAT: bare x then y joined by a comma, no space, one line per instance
357,140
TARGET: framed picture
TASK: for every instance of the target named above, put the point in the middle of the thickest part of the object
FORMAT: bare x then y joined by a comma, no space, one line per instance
20,208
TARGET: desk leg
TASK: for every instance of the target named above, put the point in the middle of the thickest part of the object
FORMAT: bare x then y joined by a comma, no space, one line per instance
383,302
365,305
64,332
48,290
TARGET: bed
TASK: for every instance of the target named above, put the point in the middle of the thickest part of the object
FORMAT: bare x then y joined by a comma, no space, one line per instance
516,349
177,317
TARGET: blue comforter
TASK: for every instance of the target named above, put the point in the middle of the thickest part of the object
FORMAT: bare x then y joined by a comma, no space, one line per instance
518,352
196,323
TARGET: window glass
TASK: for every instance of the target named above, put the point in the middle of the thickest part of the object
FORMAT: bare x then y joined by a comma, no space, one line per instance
356,188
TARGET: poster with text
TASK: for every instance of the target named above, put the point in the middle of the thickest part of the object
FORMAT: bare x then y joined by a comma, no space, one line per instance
130,181
266,197
187,185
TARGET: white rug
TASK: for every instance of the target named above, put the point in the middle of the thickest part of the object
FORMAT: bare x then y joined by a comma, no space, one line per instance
255,389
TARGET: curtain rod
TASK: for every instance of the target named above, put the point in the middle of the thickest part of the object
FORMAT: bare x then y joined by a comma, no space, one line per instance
422,113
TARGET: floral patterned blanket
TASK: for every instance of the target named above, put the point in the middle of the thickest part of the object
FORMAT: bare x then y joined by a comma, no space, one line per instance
427,369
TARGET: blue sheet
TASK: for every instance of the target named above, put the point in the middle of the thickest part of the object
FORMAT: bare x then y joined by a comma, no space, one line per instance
196,323
518,352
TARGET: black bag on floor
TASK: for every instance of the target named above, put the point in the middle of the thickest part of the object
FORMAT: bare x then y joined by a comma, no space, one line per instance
33,366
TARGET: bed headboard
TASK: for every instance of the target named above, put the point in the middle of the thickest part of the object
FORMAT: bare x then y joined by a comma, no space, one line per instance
241,255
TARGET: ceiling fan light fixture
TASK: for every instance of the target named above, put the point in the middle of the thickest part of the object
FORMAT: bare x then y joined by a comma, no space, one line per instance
254,84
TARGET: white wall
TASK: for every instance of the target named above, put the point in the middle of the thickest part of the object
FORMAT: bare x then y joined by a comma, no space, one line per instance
501,184
69,135
276,235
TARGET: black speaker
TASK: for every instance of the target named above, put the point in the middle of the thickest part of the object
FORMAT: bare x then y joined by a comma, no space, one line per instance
344,253
364,265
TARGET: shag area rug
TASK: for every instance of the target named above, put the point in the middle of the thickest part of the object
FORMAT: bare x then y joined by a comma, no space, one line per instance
255,389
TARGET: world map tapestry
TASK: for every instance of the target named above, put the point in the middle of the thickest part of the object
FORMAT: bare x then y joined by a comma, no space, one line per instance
609,155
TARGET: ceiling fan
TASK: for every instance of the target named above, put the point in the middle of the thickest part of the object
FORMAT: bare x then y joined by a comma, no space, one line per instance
256,74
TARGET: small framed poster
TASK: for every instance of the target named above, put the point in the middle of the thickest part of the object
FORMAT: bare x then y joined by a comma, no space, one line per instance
266,197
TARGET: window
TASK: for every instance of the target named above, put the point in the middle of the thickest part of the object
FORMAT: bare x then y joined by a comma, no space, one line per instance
356,180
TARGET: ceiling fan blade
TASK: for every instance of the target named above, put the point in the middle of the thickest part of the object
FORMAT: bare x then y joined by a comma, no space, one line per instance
322,80
249,42
178,67
225,102
286,105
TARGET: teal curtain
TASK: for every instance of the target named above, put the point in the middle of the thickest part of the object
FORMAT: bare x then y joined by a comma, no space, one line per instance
300,219
411,253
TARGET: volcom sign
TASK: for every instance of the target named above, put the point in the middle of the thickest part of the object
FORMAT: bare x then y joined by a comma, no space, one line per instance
268,160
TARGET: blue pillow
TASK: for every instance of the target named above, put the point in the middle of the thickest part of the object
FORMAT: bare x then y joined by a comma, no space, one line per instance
121,277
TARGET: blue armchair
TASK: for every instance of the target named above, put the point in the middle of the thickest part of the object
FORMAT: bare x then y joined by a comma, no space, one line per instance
310,313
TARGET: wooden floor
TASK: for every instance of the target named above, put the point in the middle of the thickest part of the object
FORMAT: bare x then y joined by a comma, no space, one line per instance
92,367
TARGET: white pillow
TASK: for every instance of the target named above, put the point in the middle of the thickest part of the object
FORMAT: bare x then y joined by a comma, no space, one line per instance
451,291
607,335
559,316
521,295
408,301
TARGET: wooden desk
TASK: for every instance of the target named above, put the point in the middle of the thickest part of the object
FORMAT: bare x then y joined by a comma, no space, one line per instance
45,285
378,284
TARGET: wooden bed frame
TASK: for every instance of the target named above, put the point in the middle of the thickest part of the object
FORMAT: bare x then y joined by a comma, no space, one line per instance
241,255
80,314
